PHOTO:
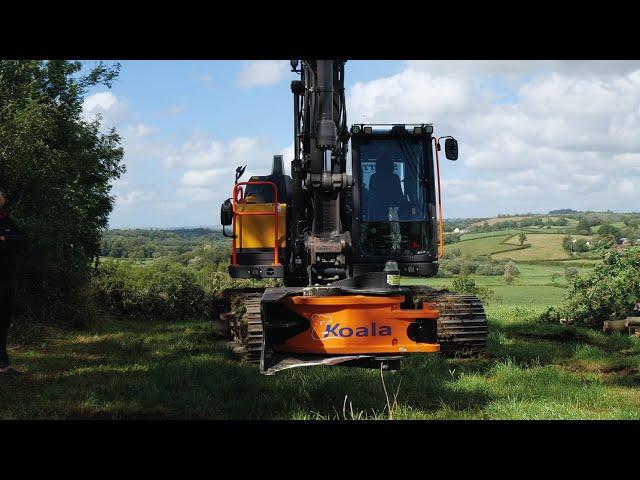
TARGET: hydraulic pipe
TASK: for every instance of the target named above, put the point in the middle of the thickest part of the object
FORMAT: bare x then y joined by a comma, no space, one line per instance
326,130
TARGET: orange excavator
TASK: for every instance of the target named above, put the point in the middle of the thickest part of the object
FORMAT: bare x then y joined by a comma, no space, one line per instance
341,243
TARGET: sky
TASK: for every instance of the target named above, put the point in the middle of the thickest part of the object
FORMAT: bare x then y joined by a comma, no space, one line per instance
533,135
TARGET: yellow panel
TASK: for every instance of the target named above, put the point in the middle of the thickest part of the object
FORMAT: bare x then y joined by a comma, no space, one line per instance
257,231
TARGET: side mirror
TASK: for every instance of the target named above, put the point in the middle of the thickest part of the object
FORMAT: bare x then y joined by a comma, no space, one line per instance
451,148
226,213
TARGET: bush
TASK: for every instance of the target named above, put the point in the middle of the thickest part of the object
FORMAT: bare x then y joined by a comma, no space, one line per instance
463,284
452,253
570,272
452,237
163,291
510,272
511,267
490,269
58,169
609,291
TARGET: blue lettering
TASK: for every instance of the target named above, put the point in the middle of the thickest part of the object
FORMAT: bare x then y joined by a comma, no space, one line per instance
331,330
362,332
336,331
346,329
385,331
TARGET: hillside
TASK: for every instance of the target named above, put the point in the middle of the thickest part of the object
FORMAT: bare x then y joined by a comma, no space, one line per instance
538,246
495,220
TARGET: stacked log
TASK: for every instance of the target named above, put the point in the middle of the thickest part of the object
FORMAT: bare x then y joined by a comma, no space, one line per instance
630,325
633,324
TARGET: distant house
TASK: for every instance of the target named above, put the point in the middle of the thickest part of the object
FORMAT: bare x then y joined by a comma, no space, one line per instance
637,242
456,230
625,242
622,241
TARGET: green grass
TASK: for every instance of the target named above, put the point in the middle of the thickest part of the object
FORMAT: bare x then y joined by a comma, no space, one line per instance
121,369
484,245
542,246
125,369
535,285
516,294
499,233
619,225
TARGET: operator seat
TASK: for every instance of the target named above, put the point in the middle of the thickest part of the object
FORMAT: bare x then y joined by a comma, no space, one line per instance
385,190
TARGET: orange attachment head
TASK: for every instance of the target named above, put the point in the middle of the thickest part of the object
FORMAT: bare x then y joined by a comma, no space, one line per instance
359,324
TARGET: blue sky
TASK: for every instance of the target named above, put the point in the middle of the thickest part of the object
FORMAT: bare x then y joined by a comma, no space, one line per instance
533,135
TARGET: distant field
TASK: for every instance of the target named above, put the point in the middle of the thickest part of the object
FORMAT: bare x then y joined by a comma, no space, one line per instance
615,224
534,285
483,245
544,246
494,220
499,233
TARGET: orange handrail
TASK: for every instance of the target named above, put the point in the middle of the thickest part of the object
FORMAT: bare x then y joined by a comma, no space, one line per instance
441,253
234,253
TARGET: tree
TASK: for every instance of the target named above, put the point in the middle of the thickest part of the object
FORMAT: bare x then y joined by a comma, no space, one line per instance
609,291
510,272
522,237
608,229
583,227
58,170
581,246
604,242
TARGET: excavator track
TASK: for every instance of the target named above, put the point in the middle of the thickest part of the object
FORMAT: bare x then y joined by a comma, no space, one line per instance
462,326
243,323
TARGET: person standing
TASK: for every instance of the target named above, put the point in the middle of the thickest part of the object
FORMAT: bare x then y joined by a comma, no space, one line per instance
10,240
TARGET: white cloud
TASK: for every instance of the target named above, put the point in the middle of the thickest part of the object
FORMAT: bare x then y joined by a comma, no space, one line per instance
528,67
112,109
196,153
626,187
140,130
262,72
209,165
202,178
533,136
287,156
134,197
466,198
100,100
200,195
411,96
176,109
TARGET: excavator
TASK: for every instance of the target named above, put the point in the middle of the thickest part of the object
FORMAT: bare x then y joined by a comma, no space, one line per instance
340,242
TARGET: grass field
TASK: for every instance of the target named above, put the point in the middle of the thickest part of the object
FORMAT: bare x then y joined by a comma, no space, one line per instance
136,370
619,225
483,245
121,369
543,246
545,218
534,286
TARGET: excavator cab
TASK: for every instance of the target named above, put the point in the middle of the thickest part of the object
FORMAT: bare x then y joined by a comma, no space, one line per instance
394,215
